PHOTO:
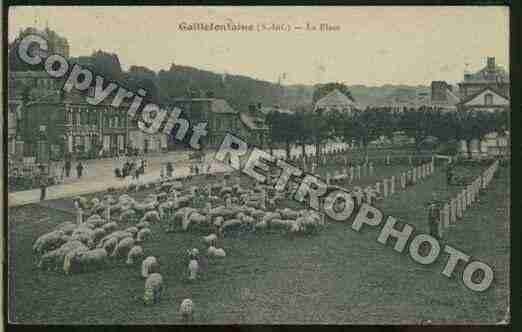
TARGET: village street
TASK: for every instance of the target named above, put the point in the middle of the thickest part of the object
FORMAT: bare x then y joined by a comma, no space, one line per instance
99,174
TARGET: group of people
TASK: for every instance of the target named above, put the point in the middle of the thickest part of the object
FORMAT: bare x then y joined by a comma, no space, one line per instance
134,168
196,169
66,169
168,171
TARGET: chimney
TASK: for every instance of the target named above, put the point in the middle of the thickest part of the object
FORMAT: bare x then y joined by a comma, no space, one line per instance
491,63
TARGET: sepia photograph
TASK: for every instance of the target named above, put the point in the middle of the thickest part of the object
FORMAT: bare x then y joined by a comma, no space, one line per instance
203,165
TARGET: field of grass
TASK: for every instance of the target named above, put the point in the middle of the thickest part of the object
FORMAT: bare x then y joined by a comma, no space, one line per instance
339,276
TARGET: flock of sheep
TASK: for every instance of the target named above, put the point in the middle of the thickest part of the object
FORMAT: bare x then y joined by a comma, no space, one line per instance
126,225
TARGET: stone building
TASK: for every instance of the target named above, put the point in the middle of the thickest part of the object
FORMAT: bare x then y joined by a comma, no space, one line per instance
221,118
443,95
62,124
491,76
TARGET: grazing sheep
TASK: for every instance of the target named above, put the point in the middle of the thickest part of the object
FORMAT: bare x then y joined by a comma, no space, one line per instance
110,244
67,227
133,230
97,209
123,247
143,224
181,217
117,234
84,260
210,251
193,269
153,288
127,215
110,227
95,220
231,225
144,207
143,234
165,207
210,239
151,216
124,198
99,233
269,216
134,254
289,214
224,211
219,252
186,310
48,242
286,224
148,266
83,230
53,260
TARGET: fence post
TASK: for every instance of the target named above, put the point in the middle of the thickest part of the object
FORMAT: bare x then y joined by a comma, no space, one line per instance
453,212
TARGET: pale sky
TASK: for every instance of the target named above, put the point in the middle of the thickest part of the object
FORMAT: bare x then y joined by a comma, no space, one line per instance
375,45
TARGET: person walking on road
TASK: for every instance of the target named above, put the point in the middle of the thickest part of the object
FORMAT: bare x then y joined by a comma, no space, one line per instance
43,186
67,167
79,169
170,169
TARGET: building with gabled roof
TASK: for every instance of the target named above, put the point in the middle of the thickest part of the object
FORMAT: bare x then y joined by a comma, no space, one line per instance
487,99
491,75
335,101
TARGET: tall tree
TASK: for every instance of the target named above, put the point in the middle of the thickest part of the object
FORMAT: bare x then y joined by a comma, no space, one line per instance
322,90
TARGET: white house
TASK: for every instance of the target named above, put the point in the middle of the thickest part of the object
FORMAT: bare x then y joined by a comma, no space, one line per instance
335,100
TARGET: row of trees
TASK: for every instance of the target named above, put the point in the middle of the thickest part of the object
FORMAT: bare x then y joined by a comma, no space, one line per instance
365,126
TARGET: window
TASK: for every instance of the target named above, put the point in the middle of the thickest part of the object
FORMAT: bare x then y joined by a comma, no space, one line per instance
488,99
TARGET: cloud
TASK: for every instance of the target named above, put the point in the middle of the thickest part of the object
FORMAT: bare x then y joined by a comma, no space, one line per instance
383,51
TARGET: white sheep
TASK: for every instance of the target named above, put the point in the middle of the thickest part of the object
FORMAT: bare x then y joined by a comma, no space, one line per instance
123,247
143,224
289,214
143,234
116,234
48,241
210,239
153,288
151,216
127,215
95,220
186,309
219,252
82,260
148,266
165,207
134,254
99,233
210,251
110,227
67,227
133,230
110,244
52,260
181,218
231,224
84,235
193,269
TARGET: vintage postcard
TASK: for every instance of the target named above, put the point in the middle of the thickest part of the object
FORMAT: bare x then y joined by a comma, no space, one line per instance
258,165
